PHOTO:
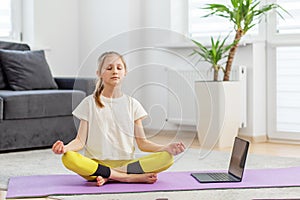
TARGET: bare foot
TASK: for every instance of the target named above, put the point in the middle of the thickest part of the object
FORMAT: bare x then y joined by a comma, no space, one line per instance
142,178
101,181
133,178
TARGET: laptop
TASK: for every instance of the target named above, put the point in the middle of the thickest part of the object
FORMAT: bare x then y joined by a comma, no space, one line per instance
236,166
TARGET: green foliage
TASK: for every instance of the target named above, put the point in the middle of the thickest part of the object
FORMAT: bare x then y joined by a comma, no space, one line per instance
244,15
213,54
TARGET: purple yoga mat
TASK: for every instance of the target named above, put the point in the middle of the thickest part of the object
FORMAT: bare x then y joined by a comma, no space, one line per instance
45,185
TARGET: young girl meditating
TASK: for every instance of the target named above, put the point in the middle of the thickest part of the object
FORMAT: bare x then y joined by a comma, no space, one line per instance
110,121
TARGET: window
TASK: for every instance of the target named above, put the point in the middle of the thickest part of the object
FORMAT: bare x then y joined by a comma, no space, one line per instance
282,37
5,18
10,19
284,73
200,26
288,89
289,24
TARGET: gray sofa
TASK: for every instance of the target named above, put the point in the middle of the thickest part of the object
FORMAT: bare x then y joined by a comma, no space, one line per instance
36,118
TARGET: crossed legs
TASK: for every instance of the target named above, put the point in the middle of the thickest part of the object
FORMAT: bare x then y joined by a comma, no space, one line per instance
143,169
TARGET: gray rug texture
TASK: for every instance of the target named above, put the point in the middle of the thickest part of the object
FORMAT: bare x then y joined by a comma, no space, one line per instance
41,162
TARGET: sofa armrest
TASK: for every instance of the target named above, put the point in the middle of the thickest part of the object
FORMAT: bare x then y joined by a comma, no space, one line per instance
84,84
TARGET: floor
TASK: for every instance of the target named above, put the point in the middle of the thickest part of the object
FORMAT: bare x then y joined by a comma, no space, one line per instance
190,139
266,148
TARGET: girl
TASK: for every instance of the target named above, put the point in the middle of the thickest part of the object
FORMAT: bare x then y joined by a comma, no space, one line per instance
109,123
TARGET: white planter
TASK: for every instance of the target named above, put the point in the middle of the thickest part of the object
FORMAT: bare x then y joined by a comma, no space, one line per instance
219,112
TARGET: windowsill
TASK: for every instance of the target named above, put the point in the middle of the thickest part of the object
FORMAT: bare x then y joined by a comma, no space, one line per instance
284,40
189,44
184,45
176,45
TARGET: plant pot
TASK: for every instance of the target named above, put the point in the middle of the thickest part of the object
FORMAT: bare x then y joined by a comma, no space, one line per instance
219,112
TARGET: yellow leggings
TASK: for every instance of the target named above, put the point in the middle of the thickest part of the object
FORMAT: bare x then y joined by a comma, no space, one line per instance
85,167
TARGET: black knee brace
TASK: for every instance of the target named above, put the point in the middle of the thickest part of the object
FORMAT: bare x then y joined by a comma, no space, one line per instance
135,168
102,171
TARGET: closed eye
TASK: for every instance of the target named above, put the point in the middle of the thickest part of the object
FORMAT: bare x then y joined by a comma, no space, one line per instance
119,67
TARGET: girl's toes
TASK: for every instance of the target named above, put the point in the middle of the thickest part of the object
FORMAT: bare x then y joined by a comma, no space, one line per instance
101,181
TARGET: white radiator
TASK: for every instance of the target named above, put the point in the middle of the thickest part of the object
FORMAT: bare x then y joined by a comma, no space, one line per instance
182,98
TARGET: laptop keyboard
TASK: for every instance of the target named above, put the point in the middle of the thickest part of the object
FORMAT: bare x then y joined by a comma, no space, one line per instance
220,176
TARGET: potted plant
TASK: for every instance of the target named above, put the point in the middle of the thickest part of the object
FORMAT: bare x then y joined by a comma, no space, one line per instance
213,54
216,127
244,15
220,102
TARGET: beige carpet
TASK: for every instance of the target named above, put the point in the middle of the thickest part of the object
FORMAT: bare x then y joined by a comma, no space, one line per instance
41,162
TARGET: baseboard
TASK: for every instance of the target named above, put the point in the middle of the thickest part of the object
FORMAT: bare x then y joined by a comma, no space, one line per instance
252,139
155,131
281,141
166,132
255,139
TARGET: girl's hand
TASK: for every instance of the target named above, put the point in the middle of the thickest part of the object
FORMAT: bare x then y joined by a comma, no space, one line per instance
58,147
175,148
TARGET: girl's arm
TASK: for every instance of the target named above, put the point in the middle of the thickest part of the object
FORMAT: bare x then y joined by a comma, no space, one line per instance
76,144
148,146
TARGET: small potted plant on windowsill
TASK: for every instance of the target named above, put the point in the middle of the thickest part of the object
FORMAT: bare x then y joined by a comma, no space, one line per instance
220,102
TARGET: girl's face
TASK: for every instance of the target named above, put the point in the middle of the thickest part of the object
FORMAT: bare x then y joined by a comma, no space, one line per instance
113,70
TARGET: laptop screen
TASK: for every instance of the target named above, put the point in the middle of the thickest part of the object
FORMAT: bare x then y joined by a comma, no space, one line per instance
238,157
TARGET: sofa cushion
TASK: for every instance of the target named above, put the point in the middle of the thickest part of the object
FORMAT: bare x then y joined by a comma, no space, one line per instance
1,109
39,103
26,70
3,81
14,46
10,46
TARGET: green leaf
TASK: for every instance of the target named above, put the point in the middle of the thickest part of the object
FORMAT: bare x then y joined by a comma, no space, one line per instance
213,54
243,15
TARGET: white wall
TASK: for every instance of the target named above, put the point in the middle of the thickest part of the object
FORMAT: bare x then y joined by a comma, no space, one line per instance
100,21
52,25
105,26
76,32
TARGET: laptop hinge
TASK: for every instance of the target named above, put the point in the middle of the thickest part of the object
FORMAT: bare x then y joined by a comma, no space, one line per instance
238,178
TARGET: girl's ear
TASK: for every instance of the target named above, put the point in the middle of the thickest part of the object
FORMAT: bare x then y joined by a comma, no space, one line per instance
98,73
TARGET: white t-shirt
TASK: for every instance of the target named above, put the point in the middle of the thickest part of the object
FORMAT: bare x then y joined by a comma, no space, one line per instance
110,129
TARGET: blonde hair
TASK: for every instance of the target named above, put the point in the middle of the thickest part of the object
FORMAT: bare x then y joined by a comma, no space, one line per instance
99,85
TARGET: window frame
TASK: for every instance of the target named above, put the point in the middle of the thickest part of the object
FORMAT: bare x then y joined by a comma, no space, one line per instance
275,40
267,33
247,39
16,18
